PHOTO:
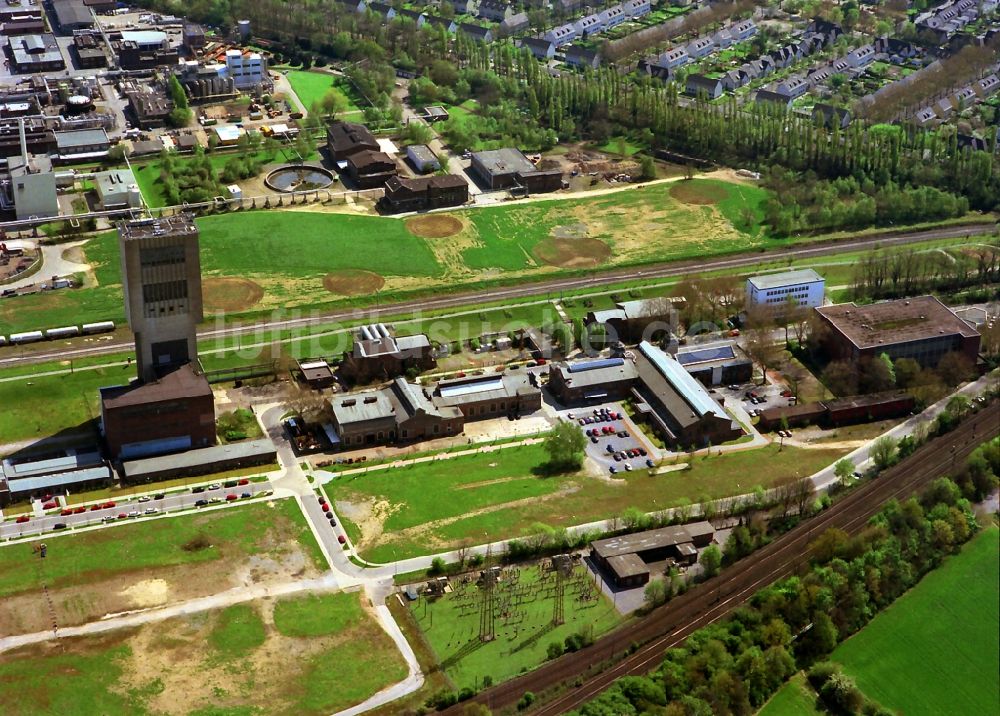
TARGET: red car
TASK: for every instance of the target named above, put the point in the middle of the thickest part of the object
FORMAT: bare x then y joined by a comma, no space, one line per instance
230,497
108,505
342,539
122,516
22,519
66,512
50,505
244,481
95,508
79,510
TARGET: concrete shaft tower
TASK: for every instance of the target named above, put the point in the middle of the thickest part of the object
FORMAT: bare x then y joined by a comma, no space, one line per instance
161,278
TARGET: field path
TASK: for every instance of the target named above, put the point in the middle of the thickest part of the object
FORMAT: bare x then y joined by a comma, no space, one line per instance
237,595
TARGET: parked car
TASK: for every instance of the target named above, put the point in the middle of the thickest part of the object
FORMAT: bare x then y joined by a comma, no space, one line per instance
134,513
79,510
594,439
94,508
230,497
649,463
65,512
200,503
611,448
145,498
244,481
151,510
618,457
109,505
342,539
107,519
198,490
50,505
628,467
214,486
22,519
59,526
158,496
613,469
333,522
122,516
229,483
245,495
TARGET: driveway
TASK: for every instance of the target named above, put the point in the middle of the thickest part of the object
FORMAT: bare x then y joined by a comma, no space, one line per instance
53,264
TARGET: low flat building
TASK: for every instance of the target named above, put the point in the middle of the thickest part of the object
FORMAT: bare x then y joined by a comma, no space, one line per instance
404,194
82,143
89,49
149,107
842,411
627,559
511,393
35,53
776,290
509,169
317,373
117,189
71,15
378,354
173,413
202,461
676,405
422,158
718,364
920,328
589,381
72,470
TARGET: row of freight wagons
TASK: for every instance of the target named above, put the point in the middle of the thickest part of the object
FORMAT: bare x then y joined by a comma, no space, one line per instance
86,329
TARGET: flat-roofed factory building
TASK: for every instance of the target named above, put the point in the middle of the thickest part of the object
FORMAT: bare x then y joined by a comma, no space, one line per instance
512,393
580,382
626,560
920,328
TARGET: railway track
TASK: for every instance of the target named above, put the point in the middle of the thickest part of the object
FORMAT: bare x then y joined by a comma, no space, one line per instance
668,626
539,289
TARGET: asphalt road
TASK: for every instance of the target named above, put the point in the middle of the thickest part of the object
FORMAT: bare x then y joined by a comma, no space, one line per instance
171,502
553,286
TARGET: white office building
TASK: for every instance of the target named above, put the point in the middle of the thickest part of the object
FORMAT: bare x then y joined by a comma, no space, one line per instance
776,289
247,70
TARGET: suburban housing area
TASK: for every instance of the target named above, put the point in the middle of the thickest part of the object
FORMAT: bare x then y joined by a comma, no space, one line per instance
482,356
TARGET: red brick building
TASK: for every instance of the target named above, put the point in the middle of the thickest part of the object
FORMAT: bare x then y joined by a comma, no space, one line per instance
921,328
175,412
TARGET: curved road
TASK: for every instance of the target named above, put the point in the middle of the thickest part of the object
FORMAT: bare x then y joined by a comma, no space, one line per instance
652,271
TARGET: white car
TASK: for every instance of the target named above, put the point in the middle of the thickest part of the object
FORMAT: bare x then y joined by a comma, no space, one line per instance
144,498
135,513
151,510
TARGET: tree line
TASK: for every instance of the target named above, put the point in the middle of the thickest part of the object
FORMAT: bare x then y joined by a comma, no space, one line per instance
733,667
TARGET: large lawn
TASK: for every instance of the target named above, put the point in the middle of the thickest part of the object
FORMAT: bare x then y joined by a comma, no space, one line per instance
44,405
937,649
237,660
91,556
524,600
795,698
311,87
434,506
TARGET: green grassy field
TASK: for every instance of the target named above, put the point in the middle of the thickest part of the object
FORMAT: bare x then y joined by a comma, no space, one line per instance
70,403
311,87
435,506
232,661
795,698
937,649
524,598
89,556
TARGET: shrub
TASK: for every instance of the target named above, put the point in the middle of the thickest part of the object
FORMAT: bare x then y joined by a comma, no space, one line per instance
526,701
437,567
554,650
197,543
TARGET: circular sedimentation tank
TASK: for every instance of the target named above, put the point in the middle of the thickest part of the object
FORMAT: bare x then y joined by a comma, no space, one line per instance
298,178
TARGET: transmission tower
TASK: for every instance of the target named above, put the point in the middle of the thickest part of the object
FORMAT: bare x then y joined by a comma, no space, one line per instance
487,617
559,604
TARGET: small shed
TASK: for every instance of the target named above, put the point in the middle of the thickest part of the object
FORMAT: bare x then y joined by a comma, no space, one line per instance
422,158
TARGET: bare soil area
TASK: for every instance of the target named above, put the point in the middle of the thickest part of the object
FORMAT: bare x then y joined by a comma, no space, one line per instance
434,226
579,252
353,282
230,294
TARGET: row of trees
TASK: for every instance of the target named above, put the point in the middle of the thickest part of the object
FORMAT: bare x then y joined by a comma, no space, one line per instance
804,203
733,667
883,273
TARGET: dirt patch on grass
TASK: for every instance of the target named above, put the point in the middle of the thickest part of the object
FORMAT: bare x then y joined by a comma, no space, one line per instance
434,226
572,253
353,282
230,294
148,592
690,192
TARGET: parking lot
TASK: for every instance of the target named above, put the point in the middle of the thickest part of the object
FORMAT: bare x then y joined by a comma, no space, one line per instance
612,439
755,398
58,516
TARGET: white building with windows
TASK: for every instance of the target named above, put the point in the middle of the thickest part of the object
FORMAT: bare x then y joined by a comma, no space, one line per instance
775,289
248,70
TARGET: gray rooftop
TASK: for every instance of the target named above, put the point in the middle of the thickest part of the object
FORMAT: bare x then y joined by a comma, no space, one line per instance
504,161
785,278
73,461
199,457
488,387
579,375
362,406
59,479
651,539
80,138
